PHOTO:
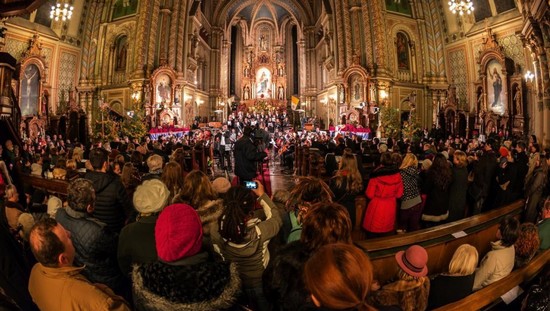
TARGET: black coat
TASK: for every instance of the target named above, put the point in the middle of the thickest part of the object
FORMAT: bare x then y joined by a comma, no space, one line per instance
283,286
112,204
457,195
96,248
246,156
445,289
193,283
484,175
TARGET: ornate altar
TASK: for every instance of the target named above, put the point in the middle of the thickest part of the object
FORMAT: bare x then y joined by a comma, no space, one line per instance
163,107
264,75
495,90
31,91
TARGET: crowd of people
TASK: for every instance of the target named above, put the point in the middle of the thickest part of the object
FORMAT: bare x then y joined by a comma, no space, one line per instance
141,228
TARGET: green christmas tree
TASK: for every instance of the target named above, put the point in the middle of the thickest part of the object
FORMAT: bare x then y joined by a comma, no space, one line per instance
135,125
390,120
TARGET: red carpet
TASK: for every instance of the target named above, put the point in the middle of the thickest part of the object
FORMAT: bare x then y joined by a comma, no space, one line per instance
264,177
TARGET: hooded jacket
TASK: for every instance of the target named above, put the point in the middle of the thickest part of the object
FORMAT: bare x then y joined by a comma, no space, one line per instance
195,283
112,204
385,187
251,256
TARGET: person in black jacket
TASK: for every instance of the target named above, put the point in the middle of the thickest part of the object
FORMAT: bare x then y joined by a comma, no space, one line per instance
247,156
112,204
95,244
484,176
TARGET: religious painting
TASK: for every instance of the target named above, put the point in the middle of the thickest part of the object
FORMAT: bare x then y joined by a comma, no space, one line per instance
263,83
263,42
402,48
30,88
164,89
496,88
123,8
399,6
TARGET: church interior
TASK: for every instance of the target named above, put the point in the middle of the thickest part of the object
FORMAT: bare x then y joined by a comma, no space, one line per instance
413,128
468,70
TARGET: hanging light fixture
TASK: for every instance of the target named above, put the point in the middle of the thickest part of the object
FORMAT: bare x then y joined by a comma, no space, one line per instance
461,6
61,11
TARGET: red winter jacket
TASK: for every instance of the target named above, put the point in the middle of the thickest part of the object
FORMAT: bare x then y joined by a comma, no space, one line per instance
385,187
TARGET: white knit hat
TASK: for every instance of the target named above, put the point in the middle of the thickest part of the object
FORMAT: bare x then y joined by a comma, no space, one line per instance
151,196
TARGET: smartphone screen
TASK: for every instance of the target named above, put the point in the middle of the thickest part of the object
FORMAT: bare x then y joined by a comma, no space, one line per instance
250,184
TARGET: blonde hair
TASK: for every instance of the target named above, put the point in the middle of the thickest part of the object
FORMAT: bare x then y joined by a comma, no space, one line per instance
11,191
461,158
408,161
350,172
464,261
154,162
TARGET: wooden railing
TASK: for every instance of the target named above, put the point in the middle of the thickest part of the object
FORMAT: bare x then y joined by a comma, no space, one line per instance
440,241
492,294
54,186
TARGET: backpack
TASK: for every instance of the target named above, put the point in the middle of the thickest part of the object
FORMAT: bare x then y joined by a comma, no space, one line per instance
296,228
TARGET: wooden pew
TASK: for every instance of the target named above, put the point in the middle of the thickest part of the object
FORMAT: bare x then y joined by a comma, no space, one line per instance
493,293
54,186
438,241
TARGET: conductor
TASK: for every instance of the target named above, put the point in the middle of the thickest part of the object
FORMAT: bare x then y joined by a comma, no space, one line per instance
246,155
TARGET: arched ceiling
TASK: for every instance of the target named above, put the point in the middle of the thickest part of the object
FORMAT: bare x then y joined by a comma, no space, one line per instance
255,10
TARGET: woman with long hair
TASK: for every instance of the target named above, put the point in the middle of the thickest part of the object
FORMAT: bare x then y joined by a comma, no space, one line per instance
457,283
308,191
384,188
172,177
535,182
347,183
411,202
437,186
130,178
339,277
242,237
198,192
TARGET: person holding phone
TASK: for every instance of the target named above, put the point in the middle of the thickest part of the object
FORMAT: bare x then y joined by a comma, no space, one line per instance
242,236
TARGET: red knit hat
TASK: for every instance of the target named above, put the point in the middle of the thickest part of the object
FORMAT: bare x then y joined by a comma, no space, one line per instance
178,233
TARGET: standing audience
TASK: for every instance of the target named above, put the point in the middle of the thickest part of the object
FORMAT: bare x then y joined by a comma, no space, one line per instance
411,203
459,187
436,186
95,244
384,188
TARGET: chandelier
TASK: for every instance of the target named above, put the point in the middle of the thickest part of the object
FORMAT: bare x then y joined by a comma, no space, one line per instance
461,6
61,12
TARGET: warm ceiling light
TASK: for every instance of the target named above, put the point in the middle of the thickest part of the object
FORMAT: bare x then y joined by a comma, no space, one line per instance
61,11
461,6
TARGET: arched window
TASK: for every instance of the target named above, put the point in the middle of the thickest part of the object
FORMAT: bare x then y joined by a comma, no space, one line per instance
121,53
403,51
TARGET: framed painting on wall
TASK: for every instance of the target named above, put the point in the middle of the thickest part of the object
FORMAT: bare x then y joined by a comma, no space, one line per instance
496,88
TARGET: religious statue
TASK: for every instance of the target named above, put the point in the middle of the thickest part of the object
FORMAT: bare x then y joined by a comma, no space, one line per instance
517,100
263,43
246,93
281,93
497,86
246,71
342,93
